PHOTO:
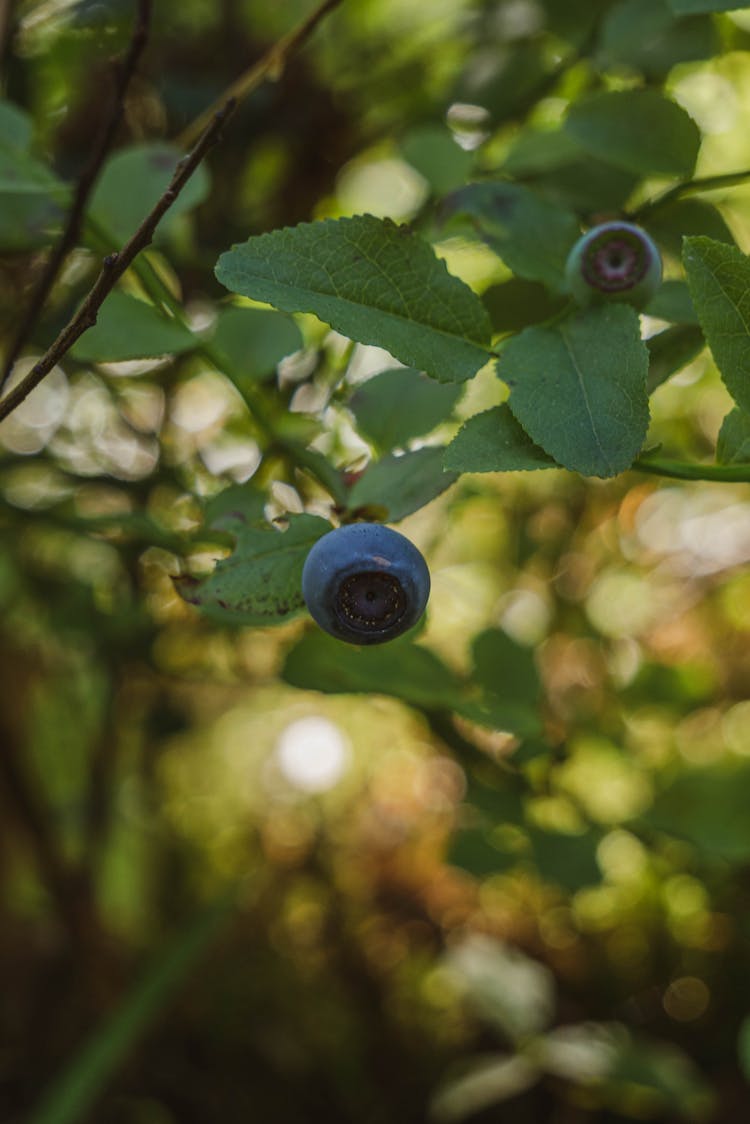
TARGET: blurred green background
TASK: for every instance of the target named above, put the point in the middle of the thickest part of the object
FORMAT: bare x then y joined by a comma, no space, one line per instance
237,886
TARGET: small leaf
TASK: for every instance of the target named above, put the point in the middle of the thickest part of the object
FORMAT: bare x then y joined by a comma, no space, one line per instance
562,172
260,582
254,340
433,152
733,445
638,130
647,36
401,484
401,669
532,237
708,808
669,224
16,127
515,304
671,350
373,281
579,388
719,280
506,669
493,441
133,180
128,328
672,302
397,405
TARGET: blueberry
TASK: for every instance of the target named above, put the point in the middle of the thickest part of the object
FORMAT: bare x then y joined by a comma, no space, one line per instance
365,583
615,261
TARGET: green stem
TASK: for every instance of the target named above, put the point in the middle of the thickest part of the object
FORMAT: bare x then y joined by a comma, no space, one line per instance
684,470
691,187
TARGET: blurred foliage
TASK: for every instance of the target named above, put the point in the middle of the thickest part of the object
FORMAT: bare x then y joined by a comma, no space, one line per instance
497,870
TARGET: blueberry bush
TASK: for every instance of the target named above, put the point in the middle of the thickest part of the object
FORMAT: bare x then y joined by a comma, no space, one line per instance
310,315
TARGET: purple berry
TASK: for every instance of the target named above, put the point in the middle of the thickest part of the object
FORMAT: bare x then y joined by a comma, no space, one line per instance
615,261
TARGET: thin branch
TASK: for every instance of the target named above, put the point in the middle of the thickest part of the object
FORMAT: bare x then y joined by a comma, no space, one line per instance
114,265
685,470
270,66
125,69
691,187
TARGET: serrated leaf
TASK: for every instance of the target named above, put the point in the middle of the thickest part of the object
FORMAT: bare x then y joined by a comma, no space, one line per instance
254,340
579,388
493,441
397,405
401,484
719,280
401,669
671,350
133,180
373,281
260,582
672,302
128,328
733,444
638,130
532,236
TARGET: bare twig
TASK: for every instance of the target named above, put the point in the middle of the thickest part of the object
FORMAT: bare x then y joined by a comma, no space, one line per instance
125,69
271,66
114,265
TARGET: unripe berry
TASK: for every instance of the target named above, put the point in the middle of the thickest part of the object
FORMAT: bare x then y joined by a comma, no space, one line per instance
615,261
365,583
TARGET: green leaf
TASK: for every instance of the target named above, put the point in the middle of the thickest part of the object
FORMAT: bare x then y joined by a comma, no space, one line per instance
70,1097
397,405
128,328
493,441
671,350
579,388
399,485
517,303
133,180
260,582
532,236
672,302
433,152
708,808
16,128
691,7
647,36
733,445
401,669
638,130
254,340
373,281
505,668
669,224
719,280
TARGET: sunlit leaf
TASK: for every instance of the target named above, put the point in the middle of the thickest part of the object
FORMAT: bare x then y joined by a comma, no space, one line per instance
373,281
733,444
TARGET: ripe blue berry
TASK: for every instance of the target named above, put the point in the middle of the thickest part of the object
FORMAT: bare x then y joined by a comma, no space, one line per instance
365,583
615,261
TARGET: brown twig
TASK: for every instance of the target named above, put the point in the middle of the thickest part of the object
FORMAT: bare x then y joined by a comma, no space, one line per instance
114,265
124,69
271,65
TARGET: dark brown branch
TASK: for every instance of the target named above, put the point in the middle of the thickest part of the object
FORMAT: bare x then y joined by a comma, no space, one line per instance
270,66
124,70
114,265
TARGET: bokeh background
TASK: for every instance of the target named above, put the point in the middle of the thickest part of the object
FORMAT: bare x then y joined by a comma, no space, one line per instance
228,895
